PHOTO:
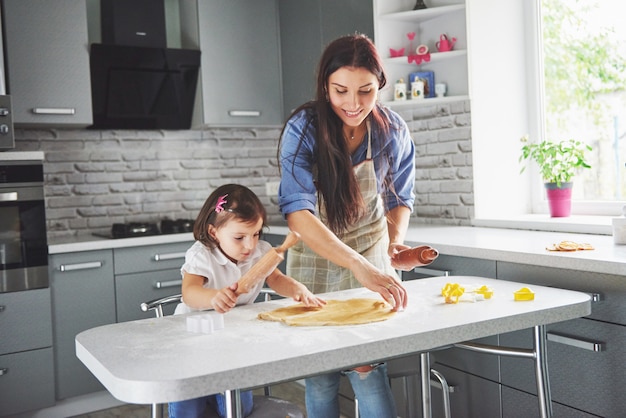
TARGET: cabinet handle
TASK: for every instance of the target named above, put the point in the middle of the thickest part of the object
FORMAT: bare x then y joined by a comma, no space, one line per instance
3,371
576,342
244,113
170,256
81,266
54,110
431,272
170,283
596,297
8,197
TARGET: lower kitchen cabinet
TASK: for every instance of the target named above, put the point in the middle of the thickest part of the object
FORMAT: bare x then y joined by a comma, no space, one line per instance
146,273
26,366
83,297
26,381
131,290
518,404
586,356
580,378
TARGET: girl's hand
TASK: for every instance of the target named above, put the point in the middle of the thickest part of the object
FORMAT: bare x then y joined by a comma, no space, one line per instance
305,296
225,299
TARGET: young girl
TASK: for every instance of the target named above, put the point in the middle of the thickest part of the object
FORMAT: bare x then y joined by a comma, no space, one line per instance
227,232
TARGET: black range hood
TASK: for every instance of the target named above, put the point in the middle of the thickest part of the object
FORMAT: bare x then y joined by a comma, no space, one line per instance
136,82
136,87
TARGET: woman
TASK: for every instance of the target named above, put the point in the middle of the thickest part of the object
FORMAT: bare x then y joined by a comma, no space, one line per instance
347,177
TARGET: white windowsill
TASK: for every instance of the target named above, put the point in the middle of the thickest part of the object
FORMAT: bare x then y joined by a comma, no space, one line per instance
597,225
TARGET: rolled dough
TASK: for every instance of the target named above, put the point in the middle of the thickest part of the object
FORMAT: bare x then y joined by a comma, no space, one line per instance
335,312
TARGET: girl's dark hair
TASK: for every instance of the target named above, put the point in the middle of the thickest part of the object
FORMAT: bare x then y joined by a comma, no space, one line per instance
239,203
338,189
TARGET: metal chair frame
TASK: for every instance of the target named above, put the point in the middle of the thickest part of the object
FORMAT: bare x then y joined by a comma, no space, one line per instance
157,306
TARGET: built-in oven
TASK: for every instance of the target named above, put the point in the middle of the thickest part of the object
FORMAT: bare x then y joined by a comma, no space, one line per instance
23,242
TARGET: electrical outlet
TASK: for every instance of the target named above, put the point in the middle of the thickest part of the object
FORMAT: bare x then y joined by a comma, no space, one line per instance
271,188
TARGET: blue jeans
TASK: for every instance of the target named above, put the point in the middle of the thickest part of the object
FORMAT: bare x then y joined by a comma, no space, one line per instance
194,408
371,389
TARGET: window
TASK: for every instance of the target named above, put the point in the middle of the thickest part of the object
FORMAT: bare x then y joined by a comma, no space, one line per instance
583,80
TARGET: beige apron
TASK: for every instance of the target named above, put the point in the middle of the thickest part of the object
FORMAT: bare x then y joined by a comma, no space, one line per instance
369,237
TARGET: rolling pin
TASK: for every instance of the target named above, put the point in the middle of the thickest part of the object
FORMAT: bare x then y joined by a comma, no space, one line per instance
413,257
266,265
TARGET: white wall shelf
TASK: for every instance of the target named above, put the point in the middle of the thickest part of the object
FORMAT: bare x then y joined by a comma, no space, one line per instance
395,19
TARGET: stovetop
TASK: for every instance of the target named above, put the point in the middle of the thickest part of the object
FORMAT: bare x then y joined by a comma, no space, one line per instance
144,229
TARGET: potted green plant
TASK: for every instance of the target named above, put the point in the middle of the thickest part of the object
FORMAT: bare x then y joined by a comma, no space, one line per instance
558,162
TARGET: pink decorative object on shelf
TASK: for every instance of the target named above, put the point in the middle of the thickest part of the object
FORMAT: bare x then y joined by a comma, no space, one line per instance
422,54
396,52
444,44
411,36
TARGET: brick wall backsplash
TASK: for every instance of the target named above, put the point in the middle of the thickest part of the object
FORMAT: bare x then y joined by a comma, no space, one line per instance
96,178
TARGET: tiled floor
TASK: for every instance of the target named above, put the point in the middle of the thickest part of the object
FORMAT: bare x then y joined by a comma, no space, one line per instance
293,392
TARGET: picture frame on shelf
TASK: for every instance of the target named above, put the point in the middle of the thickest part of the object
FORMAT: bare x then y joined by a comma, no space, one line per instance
428,77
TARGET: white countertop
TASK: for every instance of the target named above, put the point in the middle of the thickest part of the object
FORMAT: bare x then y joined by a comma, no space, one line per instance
512,245
92,243
21,156
519,246
157,360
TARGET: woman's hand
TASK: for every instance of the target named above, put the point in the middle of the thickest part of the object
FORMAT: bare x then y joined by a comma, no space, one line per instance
394,249
384,284
225,299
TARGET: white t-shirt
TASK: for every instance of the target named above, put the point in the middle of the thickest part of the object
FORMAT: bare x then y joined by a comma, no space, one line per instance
220,271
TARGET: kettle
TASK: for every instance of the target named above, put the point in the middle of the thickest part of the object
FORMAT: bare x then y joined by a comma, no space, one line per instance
444,44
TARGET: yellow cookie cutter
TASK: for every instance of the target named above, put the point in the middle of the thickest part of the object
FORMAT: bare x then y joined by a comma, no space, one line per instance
485,291
523,294
452,292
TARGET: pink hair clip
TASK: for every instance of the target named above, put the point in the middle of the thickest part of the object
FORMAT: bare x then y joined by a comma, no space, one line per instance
220,203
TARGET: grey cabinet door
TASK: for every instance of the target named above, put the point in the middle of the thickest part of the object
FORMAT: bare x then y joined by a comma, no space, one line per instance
83,297
306,27
47,62
26,381
240,81
25,320
133,289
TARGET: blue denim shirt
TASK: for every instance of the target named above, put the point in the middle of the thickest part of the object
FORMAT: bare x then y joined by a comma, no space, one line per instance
297,189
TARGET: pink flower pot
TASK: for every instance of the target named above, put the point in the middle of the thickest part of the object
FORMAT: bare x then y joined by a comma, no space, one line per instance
559,199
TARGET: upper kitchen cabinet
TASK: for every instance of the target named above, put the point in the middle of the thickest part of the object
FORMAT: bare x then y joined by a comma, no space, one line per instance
240,82
47,62
306,27
394,20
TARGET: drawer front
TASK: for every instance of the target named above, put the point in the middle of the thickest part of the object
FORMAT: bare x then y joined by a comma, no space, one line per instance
579,377
516,403
471,397
26,381
610,288
25,320
133,289
453,266
479,364
150,258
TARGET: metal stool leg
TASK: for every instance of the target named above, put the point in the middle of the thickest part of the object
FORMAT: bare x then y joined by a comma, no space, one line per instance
425,377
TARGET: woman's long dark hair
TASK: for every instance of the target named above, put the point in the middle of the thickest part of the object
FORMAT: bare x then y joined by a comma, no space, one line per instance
337,186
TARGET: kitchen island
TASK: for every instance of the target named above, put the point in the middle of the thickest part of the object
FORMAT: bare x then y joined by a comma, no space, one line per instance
157,360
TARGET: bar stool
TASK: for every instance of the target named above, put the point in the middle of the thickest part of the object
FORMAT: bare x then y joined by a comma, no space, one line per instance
265,406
